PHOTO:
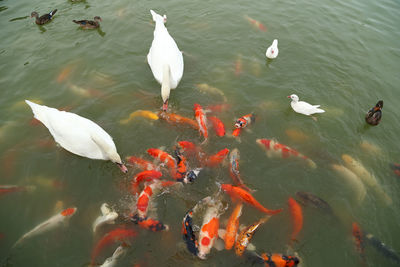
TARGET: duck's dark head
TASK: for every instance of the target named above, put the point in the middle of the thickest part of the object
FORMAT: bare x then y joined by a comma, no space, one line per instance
379,104
34,14
97,19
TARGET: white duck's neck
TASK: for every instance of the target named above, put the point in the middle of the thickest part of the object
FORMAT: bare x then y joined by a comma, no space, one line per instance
165,85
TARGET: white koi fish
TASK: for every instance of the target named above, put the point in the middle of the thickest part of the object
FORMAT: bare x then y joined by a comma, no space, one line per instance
113,260
352,180
107,216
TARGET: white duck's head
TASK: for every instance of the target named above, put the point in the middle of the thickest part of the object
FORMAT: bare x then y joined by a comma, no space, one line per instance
114,157
157,17
294,97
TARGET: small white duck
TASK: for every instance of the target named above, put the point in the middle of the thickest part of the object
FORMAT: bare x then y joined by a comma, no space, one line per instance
78,135
303,107
107,216
272,51
165,59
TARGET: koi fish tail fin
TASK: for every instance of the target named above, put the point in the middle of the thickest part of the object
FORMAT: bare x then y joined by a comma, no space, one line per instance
311,164
272,212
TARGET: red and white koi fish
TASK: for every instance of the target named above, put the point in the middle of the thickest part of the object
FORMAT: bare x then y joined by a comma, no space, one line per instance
143,176
141,163
359,242
218,126
232,227
49,224
234,158
107,216
119,234
216,159
164,157
209,229
244,121
241,194
176,119
244,237
201,120
275,149
297,217
256,23
5,189
149,224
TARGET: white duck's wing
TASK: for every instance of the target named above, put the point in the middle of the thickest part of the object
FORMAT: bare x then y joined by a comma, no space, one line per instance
73,132
307,109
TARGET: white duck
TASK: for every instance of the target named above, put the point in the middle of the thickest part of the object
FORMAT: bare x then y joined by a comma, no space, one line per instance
303,107
272,51
165,59
78,135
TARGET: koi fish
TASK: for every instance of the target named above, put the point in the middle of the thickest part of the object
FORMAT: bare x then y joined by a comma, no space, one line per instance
107,216
209,229
256,23
234,158
140,113
239,193
306,198
205,88
141,163
188,234
232,227
352,180
244,237
164,157
191,149
236,132
119,234
279,260
84,92
49,224
149,224
113,260
396,168
296,135
144,176
297,217
216,159
368,178
218,126
191,175
217,108
275,149
176,119
238,65
47,182
242,122
5,189
201,120
370,148
382,248
359,241
65,73
182,167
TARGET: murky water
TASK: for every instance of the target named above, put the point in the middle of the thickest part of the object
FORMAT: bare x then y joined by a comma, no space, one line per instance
343,55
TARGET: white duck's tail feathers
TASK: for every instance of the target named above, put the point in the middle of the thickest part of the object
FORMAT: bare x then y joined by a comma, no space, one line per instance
318,110
37,111
316,106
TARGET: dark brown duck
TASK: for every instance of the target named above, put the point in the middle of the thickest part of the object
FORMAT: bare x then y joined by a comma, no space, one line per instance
374,115
89,24
43,19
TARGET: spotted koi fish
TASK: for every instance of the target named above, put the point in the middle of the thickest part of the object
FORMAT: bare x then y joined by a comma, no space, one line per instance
234,158
188,234
149,224
275,149
201,121
244,237
181,167
143,176
279,260
244,121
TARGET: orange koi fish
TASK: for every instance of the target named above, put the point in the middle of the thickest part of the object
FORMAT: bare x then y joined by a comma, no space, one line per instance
297,217
191,149
182,167
201,120
141,163
5,189
239,193
65,73
176,119
256,23
144,176
232,227
188,234
163,157
236,132
209,229
119,234
149,224
279,260
216,159
396,168
218,126
234,158
359,241
275,149
242,122
244,237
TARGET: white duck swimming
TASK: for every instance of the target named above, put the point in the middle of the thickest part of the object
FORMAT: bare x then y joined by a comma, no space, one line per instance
165,59
303,107
272,51
78,135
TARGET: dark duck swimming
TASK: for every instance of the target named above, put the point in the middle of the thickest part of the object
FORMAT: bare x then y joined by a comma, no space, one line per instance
374,115
43,19
89,24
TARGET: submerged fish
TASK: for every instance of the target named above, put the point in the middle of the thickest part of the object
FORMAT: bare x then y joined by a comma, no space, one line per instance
113,260
306,198
107,216
175,119
256,23
382,248
297,218
201,121
279,260
149,224
359,242
141,163
140,113
188,234
370,147
296,135
245,120
238,65
5,189
218,126
234,158
232,227
216,159
352,180
244,237
205,88
49,224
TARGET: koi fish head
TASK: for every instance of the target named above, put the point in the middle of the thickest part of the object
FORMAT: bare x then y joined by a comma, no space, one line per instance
192,175
240,123
69,212
227,187
347,159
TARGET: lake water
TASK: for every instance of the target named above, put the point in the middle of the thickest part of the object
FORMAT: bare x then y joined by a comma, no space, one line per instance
343,55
